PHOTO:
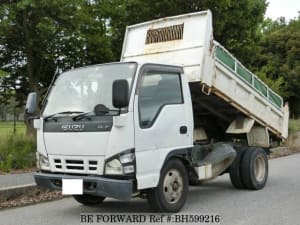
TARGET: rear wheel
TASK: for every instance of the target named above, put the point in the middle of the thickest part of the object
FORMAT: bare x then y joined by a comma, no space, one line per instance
171,192
254,168
88,199
235,169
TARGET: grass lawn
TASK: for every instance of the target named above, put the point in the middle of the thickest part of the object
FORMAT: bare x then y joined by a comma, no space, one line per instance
16,150
7,128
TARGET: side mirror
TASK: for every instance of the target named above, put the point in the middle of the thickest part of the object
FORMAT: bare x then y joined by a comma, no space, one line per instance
31,103
120,93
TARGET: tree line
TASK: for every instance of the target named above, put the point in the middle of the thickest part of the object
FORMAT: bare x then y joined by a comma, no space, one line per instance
41,37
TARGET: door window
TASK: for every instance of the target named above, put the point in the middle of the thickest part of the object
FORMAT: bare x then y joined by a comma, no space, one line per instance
156,91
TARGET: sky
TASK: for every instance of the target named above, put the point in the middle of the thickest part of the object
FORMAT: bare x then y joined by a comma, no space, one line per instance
286,8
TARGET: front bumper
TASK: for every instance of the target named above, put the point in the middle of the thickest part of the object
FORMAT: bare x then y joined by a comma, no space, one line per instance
93,185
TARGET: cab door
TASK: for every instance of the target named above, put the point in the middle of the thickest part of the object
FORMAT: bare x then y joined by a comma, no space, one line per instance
163,120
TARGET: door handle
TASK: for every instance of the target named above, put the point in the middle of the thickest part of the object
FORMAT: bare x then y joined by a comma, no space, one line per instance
183,129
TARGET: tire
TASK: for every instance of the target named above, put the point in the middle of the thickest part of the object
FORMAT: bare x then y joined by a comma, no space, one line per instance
171,192
254,168
86,199
235,169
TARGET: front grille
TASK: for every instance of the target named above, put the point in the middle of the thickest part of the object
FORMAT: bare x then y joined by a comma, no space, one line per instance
74,161
57,163
74,164
93,165
75,167
70,165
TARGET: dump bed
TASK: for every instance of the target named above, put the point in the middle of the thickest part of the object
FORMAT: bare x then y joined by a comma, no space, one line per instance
187,40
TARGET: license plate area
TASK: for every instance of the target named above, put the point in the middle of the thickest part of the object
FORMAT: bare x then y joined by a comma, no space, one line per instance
72,186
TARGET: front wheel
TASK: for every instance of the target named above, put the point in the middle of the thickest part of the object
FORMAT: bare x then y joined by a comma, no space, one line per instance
254,168
88,199
171,192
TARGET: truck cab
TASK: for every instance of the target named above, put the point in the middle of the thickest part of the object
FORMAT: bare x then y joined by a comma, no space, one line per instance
89,131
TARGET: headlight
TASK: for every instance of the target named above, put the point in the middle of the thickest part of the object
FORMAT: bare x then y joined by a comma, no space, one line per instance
114,167
128,169
127,158
121,164
42,162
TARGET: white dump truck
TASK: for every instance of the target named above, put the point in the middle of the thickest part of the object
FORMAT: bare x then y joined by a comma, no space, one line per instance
178,109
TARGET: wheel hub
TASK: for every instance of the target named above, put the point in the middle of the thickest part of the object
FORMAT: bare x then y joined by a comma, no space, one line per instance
173,186
259,168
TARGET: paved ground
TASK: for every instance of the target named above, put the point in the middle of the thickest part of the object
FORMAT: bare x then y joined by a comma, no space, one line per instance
277,204
16,179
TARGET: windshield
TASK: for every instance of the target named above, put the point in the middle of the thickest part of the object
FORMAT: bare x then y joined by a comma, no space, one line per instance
82,89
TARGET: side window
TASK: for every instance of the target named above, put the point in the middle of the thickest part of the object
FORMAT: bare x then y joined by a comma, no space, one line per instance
157,90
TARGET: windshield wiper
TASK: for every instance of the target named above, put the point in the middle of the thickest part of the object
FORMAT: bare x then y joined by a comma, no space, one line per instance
52,116
92,113
81,116
99,109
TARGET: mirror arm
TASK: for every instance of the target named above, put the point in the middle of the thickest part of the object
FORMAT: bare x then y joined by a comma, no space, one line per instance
32,117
